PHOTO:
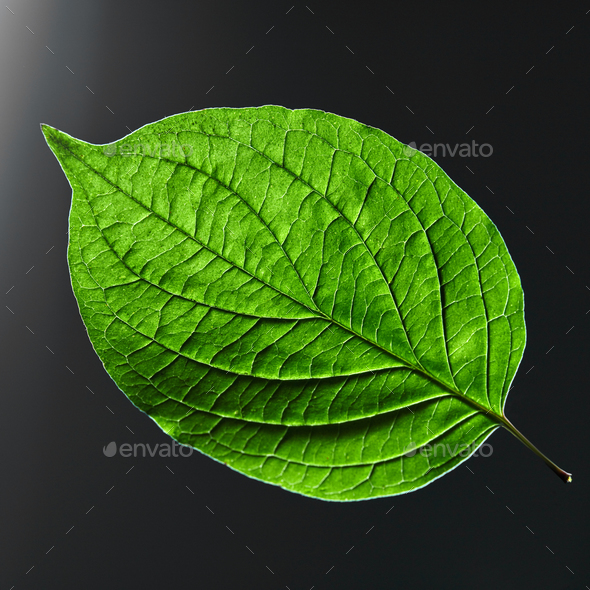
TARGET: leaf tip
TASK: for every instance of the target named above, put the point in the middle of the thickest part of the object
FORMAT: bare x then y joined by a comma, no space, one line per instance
51,135
61,144
48,131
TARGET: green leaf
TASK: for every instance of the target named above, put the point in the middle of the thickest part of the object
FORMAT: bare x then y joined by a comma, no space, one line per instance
296,295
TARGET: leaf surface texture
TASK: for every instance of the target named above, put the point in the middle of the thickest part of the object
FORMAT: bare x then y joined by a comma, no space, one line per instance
289,293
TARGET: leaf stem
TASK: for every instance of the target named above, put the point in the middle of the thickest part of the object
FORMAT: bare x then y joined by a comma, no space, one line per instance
503,421
563,475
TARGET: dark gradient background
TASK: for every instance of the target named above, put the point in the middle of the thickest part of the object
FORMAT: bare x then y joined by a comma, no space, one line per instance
447,65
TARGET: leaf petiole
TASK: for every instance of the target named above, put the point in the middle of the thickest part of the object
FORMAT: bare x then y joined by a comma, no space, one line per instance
563,475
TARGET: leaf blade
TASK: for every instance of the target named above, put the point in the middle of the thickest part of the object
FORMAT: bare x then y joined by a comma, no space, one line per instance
393,255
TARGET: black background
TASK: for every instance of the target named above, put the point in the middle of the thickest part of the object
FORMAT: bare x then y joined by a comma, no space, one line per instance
447,65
